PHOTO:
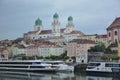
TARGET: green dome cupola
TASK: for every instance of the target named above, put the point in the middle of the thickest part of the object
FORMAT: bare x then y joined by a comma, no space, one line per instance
55,15
70,18
38,22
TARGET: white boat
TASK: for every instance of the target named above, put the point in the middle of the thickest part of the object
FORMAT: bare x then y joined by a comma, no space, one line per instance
27,65
62,66
103,68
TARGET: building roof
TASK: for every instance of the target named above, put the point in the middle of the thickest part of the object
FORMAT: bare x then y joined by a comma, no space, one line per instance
62,30
46,32
76,32
50,31
32,32
20,46
44,44
82,41
115,24
101,36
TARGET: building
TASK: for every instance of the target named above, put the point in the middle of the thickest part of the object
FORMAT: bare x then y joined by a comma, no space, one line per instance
33,50
18,50
68,33
113,31
79,46
97,38
44,49
4,54
102,38
88,37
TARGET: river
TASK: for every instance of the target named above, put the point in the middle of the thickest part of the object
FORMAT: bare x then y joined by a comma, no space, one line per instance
6,75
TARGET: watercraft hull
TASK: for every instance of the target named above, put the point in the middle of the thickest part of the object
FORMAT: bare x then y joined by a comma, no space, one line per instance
100,73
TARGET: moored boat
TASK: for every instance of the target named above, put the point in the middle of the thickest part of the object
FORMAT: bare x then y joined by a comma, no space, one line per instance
103,69
27,65
62,66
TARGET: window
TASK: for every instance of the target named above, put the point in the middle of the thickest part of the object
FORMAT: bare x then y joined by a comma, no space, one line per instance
112,65
115,32
109,34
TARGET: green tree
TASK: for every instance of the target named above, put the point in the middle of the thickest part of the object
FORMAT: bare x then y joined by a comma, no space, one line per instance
108,50
100,47
115,57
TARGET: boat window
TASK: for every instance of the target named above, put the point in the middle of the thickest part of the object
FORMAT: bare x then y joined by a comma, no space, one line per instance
116,65
112,65
37,66
15,62
15,66
93,64
108,65
90,67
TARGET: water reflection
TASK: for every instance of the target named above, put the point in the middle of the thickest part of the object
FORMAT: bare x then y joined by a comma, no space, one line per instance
7,75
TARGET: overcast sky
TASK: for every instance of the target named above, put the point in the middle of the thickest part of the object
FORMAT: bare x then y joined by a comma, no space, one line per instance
89,16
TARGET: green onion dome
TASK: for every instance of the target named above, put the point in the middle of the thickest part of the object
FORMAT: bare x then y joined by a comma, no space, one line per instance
70,18
55,15
38,22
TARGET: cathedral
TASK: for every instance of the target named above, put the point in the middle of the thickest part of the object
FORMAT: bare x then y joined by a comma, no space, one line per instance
68,33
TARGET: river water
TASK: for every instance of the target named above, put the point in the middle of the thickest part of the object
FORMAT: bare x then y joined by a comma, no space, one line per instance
50,76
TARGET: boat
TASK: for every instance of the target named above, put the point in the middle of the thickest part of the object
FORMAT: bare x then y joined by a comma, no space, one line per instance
27,65
103,68
62,66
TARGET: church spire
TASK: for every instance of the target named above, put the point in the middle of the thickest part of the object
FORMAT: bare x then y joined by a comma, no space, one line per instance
56,25
38,25
38,22
70,25
70,22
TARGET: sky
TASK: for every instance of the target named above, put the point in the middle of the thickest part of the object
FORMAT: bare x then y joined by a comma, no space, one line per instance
89,16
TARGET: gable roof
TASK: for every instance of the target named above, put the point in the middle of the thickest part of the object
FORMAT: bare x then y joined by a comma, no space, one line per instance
115,24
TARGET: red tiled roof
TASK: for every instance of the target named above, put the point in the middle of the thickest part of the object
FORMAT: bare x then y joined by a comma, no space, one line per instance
76,32
50,31
45,32
82,41
47,44
32,32
115,24
62,30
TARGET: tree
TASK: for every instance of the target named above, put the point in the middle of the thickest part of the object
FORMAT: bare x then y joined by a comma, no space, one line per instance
108,50
97,48
115,57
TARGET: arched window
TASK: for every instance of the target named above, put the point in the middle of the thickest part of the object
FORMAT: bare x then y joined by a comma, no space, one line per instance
115,32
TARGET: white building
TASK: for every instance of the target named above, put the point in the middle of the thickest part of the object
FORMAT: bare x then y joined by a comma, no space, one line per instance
68,33
82,57
19,50
44,49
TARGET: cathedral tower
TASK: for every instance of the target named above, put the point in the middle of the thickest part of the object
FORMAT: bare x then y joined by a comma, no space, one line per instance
70,25
38,25
56,25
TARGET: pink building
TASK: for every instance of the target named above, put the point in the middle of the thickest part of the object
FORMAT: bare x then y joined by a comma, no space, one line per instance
77,46
113,31
32,50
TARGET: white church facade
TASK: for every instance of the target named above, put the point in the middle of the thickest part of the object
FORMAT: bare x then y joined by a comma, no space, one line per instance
68,33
